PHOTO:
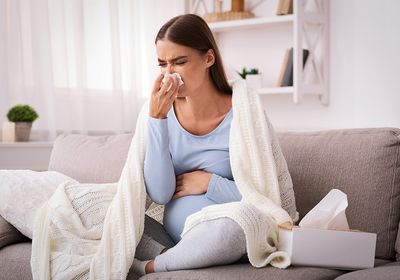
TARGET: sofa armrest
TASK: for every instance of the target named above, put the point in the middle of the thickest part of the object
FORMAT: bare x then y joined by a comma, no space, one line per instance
9,234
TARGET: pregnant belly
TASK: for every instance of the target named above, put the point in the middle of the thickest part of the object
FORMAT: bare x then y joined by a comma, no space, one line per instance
177,210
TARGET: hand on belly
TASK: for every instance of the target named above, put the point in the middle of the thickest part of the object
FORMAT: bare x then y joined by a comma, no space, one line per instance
195,182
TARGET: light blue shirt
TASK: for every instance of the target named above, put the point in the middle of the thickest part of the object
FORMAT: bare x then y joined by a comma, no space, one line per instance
172,151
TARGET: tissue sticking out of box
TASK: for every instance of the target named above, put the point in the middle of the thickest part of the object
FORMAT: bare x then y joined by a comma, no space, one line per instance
329,213
166,75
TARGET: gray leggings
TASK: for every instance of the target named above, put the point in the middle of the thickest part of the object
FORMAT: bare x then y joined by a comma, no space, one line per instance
214,242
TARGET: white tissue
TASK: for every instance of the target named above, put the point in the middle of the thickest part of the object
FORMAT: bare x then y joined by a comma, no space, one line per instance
329,213
166,75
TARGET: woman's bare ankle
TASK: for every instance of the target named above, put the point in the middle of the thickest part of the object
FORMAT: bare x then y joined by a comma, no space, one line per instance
149,267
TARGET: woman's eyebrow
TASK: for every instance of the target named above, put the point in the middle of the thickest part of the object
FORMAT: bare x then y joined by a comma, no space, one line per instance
174,59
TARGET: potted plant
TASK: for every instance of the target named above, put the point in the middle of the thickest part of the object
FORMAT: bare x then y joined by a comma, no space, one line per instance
23,116
252,77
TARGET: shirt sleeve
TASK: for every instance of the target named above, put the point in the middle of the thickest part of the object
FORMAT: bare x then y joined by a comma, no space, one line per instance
159,174
222,190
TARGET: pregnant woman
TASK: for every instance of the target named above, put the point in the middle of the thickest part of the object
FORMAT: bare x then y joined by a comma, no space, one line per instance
187,164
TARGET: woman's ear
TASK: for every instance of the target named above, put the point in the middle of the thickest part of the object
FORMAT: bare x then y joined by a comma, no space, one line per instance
210,58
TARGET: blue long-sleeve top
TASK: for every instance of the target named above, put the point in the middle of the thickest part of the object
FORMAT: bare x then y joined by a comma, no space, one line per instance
172,151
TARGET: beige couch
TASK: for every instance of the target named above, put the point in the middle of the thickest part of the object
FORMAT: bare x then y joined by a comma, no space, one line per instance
364,163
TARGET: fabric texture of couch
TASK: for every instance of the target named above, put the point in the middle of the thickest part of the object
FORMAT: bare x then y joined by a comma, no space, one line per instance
363,163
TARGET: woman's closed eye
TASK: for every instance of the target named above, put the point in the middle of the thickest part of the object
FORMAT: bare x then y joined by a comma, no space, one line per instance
175,63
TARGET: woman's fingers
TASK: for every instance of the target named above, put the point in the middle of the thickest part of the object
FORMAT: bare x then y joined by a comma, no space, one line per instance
161,100
157,83
174,93
173,89
165,86
178,195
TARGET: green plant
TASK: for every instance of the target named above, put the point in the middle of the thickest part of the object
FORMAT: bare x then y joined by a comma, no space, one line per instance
245,72
22,113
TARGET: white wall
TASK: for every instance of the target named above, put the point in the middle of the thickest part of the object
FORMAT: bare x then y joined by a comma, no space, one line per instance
364,72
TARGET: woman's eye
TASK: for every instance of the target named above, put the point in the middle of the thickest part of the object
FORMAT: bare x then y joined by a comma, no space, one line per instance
176,63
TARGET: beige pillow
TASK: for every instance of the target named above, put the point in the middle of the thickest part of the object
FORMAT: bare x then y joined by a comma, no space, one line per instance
90,159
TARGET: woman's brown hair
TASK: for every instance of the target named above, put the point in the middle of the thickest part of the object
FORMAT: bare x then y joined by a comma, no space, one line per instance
192,31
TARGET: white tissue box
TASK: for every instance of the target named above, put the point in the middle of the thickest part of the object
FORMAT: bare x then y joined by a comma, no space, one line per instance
347,250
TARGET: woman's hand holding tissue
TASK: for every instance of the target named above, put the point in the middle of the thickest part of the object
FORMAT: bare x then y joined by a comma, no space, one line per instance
163,96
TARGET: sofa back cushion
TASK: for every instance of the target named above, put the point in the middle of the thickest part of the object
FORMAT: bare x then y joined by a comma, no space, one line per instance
363,163
90,159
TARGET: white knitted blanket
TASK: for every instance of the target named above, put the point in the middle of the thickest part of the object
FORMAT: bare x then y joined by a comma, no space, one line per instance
90,231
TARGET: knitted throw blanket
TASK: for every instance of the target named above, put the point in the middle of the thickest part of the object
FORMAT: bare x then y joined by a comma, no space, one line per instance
90,231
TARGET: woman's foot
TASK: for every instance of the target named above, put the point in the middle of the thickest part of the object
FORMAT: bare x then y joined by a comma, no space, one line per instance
149,267
143,267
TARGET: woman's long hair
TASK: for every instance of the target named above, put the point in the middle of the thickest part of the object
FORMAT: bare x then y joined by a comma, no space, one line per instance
192,31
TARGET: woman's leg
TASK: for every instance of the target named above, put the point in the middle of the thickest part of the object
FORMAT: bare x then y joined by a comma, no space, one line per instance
214,242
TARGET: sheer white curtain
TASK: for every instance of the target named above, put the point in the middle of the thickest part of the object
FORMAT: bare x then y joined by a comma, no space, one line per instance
86,66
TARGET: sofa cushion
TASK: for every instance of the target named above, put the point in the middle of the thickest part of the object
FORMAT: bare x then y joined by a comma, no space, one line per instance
15,262
245,271
90,159
388,271
363,163
398,245
9,234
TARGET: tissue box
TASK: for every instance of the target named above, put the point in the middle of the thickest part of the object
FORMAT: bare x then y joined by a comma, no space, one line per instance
348,250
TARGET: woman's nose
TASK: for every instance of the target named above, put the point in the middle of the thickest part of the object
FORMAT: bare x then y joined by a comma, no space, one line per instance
170,69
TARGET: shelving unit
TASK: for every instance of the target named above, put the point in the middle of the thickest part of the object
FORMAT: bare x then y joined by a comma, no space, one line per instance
309,30
25,155
249,23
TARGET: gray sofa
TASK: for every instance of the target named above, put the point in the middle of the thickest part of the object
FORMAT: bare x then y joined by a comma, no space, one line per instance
364,163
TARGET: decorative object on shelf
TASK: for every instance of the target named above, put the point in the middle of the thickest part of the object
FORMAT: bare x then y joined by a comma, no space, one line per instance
218,6
23,116
286,74
196,5
237,12
8,132
285,7
252,77
237,6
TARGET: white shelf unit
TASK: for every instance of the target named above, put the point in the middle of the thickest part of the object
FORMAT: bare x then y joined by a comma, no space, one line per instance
306,18
25,155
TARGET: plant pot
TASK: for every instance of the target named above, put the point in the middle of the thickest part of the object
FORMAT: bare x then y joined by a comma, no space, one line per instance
253,81
22,131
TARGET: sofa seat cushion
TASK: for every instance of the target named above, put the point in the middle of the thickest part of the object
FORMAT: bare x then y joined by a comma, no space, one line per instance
15,261
9,234
363,163
388,271
246,271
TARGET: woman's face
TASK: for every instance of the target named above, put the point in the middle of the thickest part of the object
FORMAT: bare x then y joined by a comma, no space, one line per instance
189,63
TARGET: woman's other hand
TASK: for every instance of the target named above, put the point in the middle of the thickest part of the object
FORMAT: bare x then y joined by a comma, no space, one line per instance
163,96
287,225
190,183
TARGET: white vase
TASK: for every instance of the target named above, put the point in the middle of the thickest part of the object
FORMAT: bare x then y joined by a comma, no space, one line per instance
8,132
253,81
